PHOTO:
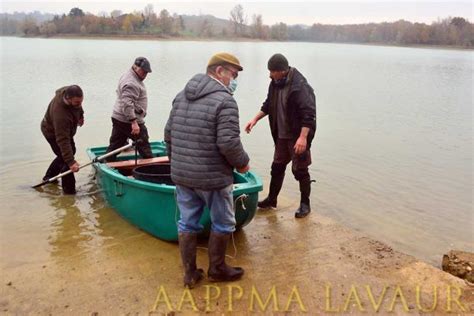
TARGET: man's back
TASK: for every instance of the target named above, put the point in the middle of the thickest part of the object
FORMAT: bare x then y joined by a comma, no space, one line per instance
60,118
204,133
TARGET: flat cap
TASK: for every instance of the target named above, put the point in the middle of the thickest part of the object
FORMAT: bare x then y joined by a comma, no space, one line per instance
225,58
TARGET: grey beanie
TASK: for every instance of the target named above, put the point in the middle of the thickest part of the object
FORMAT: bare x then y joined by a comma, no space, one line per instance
278,62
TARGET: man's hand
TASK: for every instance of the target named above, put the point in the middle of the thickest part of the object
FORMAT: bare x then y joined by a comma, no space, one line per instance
300,145
243,169
250,125
135,128
74,167
80,122
253,122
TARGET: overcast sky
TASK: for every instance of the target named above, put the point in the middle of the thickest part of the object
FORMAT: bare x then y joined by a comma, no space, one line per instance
300,12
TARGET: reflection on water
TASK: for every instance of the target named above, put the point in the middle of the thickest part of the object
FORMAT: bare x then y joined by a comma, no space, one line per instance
70,233
84,225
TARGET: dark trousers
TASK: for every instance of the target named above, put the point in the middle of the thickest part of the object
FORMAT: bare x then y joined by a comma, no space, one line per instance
121,132
58,166
284,154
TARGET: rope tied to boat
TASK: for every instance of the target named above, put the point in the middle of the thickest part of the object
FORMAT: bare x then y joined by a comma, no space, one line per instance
242,199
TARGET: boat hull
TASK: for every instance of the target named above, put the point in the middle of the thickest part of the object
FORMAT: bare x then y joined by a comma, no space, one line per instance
152,207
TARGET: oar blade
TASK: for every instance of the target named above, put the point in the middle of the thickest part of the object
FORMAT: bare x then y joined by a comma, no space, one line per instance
40,184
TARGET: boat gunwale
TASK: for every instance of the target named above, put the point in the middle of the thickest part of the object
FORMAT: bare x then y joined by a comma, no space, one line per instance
252,183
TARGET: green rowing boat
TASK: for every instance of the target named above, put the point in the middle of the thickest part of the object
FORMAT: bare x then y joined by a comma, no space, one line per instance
152,206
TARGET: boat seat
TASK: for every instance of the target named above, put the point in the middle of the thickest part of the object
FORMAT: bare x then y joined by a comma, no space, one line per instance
130,164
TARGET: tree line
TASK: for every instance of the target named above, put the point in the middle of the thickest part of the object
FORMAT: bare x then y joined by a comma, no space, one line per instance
451,31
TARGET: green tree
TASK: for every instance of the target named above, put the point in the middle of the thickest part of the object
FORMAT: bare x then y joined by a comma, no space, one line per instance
76,12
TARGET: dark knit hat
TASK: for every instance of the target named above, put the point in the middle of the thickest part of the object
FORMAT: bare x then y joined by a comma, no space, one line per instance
278,62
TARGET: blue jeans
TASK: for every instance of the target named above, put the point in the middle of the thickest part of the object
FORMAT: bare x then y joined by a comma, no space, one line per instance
191,203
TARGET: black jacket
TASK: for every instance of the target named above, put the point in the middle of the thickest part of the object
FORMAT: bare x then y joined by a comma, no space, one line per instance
301,107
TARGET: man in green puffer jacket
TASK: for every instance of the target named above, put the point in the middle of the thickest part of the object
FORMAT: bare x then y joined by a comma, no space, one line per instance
59,126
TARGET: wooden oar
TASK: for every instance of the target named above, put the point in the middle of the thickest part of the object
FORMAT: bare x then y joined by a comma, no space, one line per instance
96,159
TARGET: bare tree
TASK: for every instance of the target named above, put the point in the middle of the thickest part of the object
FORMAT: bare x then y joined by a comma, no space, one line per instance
149,16
205,29
177,25
115,14
257,26
148,11
279,31
238,20
48,28
165,22
127,24
29,27
103,14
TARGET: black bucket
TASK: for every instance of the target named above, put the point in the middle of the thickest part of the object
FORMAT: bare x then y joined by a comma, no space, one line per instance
159,173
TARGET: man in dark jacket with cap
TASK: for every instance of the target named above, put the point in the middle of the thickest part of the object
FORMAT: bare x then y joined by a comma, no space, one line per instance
203,142
130,110
59,126
291,109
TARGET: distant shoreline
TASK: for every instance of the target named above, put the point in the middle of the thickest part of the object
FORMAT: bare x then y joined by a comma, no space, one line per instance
146,37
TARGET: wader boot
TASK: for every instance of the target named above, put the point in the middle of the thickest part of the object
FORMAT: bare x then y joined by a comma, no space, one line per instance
305,190
68,182
187,247
275,187
218,270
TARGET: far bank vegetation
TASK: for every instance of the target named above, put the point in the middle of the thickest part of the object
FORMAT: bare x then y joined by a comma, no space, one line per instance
451,31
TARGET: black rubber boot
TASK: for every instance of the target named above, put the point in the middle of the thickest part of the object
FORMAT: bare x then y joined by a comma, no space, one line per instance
268,202
303,210
53,170
305,190
219,271
68,182
187,247
275,187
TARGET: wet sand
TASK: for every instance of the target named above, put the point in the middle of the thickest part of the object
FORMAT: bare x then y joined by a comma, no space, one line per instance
314,265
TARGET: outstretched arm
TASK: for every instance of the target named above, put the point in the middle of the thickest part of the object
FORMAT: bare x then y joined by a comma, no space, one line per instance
253,122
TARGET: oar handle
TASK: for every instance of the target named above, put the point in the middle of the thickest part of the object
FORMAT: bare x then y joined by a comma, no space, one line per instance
96,159
113,152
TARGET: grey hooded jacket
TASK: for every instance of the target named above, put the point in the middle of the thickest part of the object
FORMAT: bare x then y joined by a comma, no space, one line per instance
203,136
131,100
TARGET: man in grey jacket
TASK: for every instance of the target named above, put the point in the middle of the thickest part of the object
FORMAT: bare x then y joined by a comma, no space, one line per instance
130,110
203,141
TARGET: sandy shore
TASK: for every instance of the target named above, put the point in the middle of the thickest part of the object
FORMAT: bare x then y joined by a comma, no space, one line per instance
313,265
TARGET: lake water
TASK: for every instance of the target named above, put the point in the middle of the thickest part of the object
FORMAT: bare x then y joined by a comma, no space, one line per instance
393,155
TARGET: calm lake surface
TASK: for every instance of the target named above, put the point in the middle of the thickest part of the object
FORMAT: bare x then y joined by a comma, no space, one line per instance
393,155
